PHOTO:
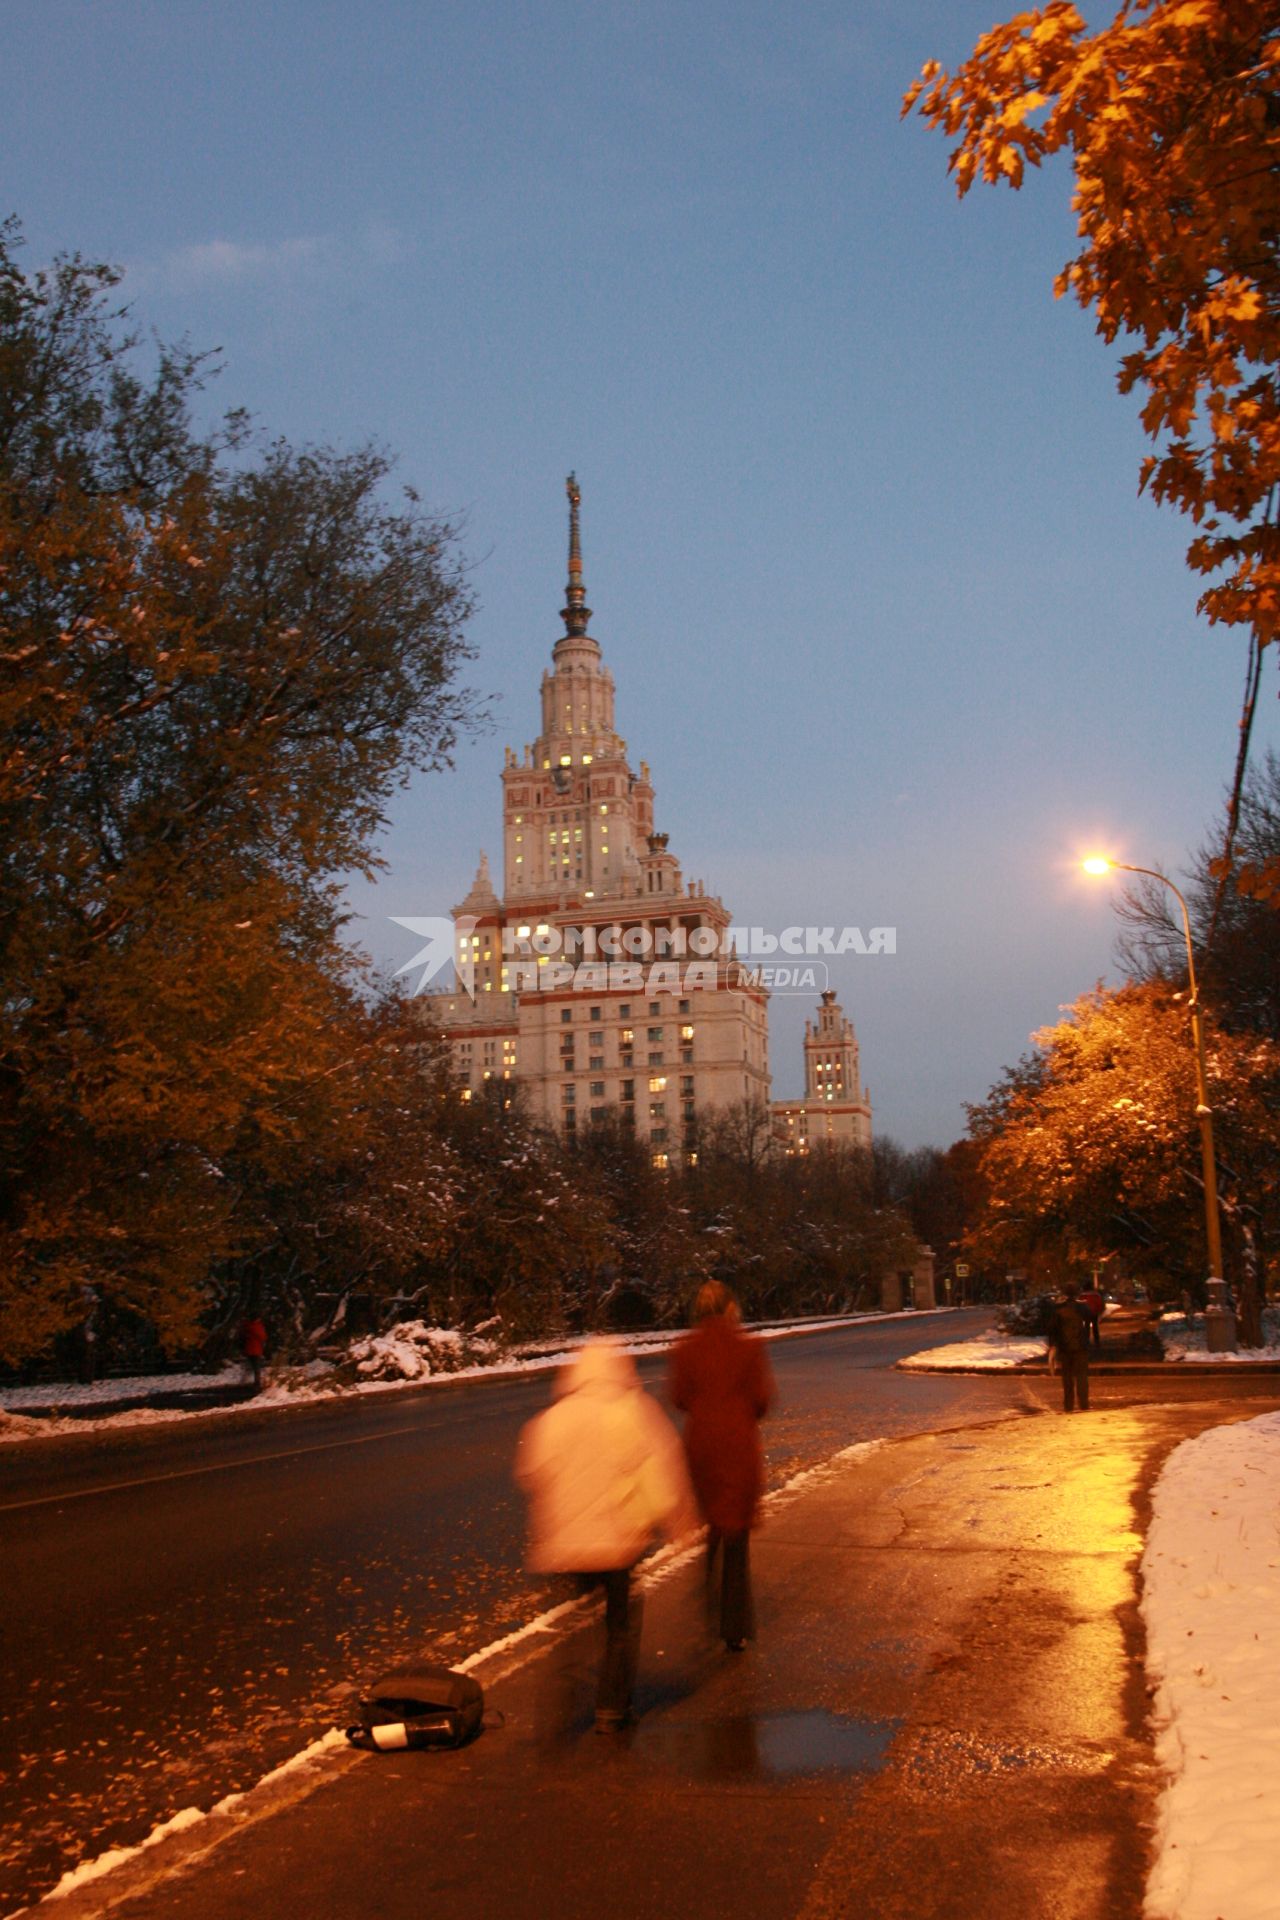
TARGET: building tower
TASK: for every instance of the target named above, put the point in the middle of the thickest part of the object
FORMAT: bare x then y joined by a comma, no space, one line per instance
582,985
835,1110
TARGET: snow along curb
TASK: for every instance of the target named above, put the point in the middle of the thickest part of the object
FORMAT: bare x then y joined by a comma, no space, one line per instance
1211,1596
17,1425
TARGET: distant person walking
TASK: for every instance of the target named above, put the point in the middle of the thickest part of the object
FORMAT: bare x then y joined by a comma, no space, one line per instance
721,1378
1093,1303
603,1470
253,1345
1069,1338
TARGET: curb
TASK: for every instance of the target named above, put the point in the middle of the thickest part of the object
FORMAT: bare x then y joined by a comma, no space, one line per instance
1178,1368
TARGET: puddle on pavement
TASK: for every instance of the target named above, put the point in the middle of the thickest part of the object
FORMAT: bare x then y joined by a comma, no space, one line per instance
769,1746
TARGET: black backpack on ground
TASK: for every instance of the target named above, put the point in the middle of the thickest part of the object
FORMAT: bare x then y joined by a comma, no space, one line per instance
419,1707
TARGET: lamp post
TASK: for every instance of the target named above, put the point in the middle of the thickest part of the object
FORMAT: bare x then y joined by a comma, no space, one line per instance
1204,1113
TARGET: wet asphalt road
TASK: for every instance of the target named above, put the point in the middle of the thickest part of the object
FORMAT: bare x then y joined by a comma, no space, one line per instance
187,1608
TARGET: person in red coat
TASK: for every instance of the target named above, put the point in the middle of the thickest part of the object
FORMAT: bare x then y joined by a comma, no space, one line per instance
721,1379
253,1345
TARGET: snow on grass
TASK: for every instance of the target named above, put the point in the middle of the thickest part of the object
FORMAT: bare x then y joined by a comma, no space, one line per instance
411,1354
1184,1339
988,1353
75,1393
1211,1574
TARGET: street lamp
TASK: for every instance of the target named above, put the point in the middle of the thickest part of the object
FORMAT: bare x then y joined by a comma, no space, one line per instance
1098,864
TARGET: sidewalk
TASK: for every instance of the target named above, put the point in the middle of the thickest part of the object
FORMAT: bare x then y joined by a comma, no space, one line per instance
943,1718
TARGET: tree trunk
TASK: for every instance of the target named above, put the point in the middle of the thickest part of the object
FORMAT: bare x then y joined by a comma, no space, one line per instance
1249,1305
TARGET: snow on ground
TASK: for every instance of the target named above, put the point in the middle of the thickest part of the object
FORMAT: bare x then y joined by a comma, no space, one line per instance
1184,1339
1211,1574
409,1354
990,1353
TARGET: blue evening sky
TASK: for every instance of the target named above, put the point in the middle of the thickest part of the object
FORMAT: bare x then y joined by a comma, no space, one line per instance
861,525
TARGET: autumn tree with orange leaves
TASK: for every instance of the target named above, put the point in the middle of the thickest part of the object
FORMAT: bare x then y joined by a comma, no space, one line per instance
1172,117
217,662
1090,1148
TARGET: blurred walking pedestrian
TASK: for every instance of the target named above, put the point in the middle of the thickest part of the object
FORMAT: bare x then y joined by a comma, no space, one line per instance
253,1345
721,1379
1069,1338
603,1470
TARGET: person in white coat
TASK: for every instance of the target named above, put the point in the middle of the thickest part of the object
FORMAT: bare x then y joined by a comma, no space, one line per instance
603,1469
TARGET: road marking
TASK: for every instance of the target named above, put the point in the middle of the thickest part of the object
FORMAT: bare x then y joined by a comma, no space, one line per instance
189,1473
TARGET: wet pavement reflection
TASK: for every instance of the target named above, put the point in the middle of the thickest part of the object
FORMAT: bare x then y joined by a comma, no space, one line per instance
764,1747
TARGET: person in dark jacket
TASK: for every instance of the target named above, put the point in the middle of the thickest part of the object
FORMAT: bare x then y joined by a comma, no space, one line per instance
1093,1303
721,1379
1069,1338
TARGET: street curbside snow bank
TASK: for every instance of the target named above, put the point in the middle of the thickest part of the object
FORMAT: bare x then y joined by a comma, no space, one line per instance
1211,1595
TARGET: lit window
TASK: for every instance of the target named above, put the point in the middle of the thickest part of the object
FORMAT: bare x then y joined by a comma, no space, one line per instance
465,1094
627,1036
603,807
587,758
566,759
519,819
660,1162
658,1084
686,1033
522,933
475,939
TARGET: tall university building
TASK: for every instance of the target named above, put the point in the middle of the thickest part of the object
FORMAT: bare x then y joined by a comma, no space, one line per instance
601,980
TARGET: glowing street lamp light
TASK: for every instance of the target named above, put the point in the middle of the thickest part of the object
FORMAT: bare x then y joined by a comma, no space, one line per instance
1098,864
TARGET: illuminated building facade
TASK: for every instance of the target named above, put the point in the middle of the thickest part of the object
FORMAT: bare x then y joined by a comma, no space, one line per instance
599,981
835,1110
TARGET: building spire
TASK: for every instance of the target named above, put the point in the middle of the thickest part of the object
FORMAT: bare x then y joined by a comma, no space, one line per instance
575,613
